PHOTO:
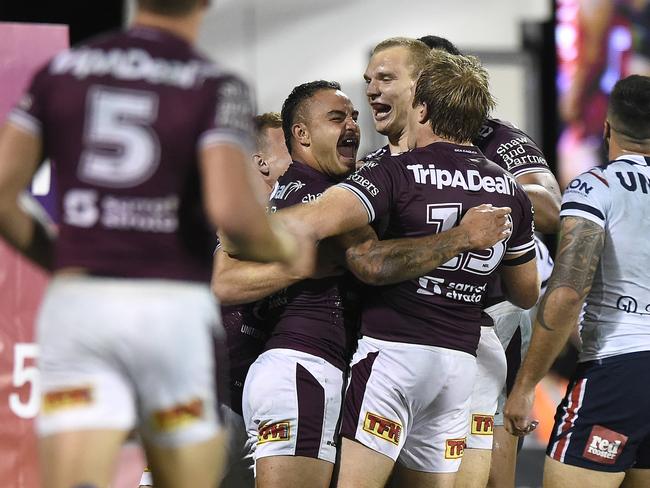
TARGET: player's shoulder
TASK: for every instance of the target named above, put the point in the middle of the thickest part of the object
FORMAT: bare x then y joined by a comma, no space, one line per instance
375,156
298,184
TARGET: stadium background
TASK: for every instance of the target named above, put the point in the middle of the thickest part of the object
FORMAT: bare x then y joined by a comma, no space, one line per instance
532,49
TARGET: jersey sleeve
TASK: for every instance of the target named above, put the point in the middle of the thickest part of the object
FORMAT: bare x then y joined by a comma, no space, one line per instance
522,241
587,196
515,152
230,118
29,112
374,184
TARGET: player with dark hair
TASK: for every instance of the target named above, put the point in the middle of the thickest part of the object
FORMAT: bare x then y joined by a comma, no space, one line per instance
601,435
125,329
293,391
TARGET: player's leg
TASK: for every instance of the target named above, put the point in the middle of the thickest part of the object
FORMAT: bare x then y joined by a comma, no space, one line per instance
420,479
239,469
437,438
87,406
504,459
291,405
636,478
601,425
362,467
560,475
490,380
293,472
173,371
639,476
79,458
376,411
515,342
198,464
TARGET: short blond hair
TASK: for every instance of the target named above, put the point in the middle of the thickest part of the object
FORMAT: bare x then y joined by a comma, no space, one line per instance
419,52
456,92
268,120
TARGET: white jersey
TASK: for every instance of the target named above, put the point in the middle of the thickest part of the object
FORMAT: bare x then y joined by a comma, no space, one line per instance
544,263
617,309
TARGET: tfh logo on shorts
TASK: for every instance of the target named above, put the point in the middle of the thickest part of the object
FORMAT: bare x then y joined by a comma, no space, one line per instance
454,448
386,429
604,446
178,415
482,424
67,398
280,431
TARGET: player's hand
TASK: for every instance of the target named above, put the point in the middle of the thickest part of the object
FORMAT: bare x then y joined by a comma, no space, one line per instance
486,225
517,410
300,247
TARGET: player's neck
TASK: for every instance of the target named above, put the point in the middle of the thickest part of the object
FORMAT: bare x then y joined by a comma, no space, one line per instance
618,148
186,27
398,145
430,138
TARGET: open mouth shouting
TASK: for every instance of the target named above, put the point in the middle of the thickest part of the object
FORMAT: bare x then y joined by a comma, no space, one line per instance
380,111
347,146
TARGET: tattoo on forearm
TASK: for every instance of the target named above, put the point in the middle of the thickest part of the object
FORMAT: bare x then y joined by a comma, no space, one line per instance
393,261
581,244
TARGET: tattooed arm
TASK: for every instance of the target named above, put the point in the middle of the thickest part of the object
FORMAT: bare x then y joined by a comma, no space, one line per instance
577,259
378,262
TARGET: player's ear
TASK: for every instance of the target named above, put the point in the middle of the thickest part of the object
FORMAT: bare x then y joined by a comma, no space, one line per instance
607,130
301,134
423,112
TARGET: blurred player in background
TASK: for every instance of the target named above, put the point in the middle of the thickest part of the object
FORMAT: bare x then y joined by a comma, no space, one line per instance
601,433
151,143
245,327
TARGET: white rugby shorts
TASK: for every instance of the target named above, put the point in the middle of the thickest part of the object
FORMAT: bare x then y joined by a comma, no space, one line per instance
120,353
410,402
490,380
513,327
292,404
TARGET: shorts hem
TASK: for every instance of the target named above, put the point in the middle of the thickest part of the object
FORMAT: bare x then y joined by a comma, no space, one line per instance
580,463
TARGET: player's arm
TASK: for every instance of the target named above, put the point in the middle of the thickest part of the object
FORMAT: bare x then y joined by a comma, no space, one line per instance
378,262
579,251
235,282
521,280
20,154
335,212
544,193
232,206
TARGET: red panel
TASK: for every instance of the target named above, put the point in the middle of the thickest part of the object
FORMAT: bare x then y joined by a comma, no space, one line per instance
23,49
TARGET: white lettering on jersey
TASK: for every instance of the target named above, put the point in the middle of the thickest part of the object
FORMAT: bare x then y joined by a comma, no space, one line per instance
467,180
130,64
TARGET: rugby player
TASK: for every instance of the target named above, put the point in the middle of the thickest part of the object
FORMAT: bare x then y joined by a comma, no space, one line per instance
125,329
293,391
271,157
395,410
601,434
391,71
244,326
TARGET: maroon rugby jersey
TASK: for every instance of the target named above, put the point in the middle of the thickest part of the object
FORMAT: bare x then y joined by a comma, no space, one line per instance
124,118
427,191
312,316
516,152
246,333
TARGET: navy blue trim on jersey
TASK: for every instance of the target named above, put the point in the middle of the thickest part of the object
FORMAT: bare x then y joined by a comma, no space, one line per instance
584,208
524,258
